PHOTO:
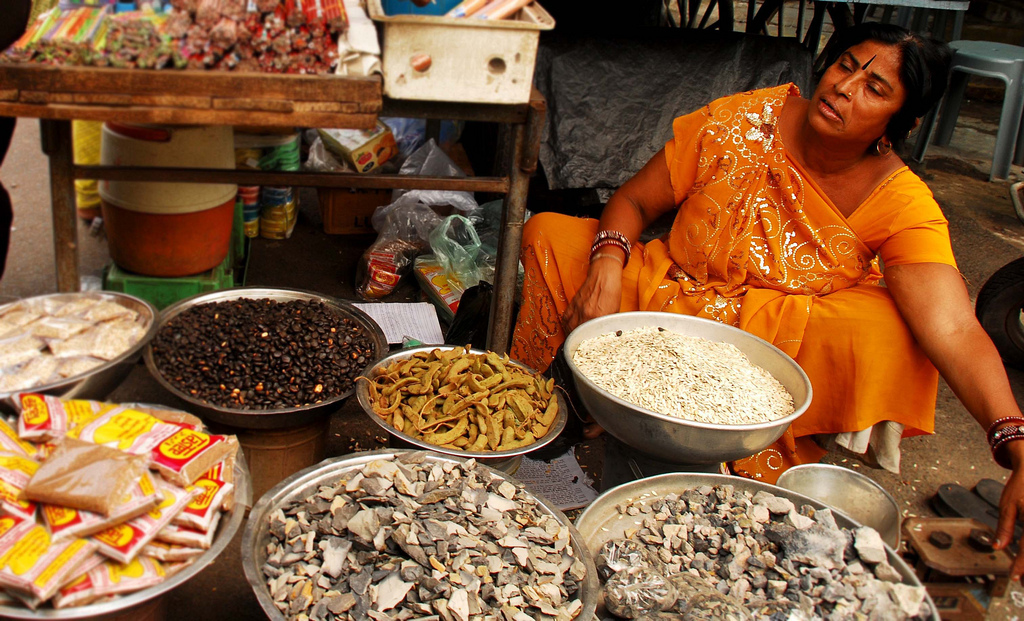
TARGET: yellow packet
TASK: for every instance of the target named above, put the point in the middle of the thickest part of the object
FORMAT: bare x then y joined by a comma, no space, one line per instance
42,417
36,567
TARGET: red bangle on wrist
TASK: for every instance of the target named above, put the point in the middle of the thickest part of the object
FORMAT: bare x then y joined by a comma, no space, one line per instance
612,238
990,432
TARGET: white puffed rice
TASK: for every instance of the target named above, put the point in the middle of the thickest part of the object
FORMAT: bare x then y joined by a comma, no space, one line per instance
683,376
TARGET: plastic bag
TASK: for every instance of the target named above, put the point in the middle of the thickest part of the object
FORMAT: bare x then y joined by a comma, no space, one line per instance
322,160
431,161
457,248
638,591
403,234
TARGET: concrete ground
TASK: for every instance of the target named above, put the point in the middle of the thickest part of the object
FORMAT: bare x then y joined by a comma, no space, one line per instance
986,235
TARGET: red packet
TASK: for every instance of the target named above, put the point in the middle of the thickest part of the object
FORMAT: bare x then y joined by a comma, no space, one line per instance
43,417
185,456
199,513
124,541
35,567
10,442
67,522
15,473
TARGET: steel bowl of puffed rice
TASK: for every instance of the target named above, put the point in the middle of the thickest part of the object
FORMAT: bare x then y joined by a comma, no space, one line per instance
683,389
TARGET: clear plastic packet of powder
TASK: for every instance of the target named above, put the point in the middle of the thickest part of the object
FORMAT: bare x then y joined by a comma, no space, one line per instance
65,522
86,476
124,541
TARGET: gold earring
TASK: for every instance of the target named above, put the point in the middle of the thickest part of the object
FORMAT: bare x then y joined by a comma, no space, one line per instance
883,146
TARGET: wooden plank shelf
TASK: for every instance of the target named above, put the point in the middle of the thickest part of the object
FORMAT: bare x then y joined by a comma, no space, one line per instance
188,97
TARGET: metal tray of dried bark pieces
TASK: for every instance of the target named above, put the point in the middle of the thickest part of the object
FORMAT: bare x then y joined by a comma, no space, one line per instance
602,521
306,483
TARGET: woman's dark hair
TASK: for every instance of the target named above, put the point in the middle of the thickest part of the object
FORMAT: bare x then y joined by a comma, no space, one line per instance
924,69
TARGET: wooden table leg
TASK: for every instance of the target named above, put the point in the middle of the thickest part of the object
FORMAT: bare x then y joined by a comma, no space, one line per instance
56,140
526,150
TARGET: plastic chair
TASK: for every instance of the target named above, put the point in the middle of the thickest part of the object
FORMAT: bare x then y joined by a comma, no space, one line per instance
992,60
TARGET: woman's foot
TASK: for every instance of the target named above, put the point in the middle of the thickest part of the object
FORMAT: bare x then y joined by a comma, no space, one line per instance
592,430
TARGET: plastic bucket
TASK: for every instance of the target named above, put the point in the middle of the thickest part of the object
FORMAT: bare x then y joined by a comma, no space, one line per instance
167,229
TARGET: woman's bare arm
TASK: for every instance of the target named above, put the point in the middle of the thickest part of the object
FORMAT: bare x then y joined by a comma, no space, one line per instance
639,202
933,301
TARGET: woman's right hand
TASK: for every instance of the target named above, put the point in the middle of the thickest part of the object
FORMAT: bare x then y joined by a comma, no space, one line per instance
599,295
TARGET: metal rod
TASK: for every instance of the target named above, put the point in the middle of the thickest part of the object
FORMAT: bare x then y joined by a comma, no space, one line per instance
497,185
56,139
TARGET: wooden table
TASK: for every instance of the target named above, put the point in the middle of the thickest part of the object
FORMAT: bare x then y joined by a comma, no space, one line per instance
56,95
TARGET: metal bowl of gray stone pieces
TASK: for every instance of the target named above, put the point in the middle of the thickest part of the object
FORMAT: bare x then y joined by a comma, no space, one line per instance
105,334
848,492
717,525
672,438
412,534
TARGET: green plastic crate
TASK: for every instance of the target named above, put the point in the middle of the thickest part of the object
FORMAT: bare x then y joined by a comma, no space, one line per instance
162,292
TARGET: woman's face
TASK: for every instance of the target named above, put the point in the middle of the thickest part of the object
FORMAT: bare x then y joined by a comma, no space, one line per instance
859,93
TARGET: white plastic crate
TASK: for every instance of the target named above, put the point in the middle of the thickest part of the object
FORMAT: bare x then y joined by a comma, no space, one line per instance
470,60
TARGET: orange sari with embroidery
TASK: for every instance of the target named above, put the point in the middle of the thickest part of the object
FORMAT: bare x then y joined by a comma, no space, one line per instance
755,244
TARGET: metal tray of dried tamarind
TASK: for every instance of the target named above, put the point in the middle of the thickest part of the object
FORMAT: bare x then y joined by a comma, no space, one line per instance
463,402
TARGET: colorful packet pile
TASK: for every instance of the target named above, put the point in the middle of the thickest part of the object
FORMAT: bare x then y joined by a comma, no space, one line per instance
65,556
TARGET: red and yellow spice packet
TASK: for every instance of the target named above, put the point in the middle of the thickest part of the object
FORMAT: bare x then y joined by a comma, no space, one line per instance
34,567
124,541
15,473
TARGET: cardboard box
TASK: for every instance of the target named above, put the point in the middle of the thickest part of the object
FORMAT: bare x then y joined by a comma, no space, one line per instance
363,149
347,211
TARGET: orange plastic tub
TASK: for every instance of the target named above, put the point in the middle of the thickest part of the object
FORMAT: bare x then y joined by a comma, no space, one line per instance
169,244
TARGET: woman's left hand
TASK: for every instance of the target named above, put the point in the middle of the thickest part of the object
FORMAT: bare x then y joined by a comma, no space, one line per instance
1011,506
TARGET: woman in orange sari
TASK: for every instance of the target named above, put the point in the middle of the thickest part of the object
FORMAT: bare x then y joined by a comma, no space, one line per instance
784,207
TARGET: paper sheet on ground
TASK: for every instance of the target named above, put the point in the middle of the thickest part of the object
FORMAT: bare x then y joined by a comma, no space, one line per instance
560,481
417,320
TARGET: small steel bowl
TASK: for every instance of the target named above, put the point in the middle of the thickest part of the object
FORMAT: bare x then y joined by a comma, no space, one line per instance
677,440
98,382
500,460
850,493
305,483
272,418
602,520
132,605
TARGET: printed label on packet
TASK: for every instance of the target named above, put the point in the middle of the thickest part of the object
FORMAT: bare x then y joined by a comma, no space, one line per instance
123,541
200,512
47,418
127,430
66,522
36,566
186,455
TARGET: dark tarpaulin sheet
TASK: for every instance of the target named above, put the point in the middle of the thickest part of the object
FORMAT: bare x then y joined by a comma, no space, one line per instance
611,100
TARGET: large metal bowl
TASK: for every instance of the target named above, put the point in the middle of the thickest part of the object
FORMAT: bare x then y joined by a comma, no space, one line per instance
272,418
302,484
674,439
489,457
850,493
118,608
100,381
602,521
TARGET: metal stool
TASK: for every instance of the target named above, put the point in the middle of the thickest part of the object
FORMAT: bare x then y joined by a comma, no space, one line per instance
992,60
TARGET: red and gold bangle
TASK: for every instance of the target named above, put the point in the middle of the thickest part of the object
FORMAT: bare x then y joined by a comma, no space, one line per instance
1001,421
998,449
612,238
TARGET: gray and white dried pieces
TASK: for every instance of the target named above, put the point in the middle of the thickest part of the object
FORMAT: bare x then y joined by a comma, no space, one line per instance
259,354
735,555
683,376
409,538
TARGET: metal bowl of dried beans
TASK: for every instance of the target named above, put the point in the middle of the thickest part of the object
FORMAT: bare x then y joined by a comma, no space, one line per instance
263,358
